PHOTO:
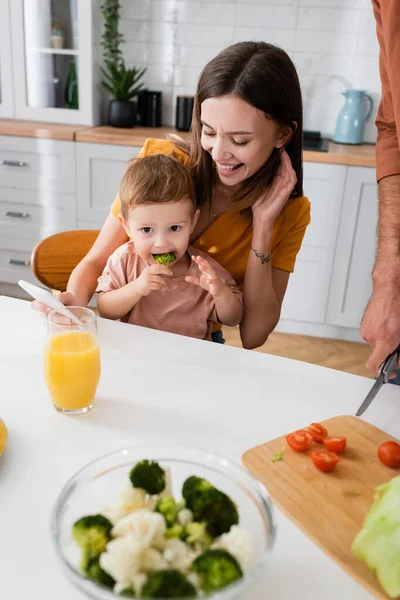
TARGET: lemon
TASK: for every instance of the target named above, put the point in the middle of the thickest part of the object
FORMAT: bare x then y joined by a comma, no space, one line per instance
3,436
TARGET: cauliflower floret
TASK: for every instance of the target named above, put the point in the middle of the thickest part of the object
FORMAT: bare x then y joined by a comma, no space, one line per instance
147,528
131,499
178,555
238,543
138,582
121,559
152,560
185,516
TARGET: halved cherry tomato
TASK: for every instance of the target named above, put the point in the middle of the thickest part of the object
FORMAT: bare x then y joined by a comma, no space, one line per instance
324,461
389,454
299,440
318,432
335,444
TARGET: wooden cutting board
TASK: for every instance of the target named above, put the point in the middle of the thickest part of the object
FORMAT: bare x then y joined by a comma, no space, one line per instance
329,507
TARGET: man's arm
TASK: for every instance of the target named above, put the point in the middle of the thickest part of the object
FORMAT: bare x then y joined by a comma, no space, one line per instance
380,326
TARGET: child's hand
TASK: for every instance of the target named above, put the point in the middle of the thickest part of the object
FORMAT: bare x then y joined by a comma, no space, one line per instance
152,279
209,279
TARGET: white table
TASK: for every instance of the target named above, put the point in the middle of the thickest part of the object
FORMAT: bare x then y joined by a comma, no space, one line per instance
160,387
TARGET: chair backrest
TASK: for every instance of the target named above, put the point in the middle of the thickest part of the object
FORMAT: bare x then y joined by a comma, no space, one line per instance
55,257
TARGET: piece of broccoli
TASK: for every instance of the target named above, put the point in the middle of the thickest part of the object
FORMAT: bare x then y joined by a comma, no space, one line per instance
92,533
128,593
216,569
211,505
168,583
196,533
176,531
168,507
165,259
97,574
149,476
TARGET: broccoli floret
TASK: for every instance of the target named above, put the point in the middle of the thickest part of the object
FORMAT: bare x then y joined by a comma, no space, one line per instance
176,531
216,569
169,508
148,476
196,533
96,573
211,505
128,593
92,533
165,259
168,583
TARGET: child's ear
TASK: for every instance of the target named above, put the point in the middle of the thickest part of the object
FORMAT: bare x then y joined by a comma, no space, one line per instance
124,224
194,220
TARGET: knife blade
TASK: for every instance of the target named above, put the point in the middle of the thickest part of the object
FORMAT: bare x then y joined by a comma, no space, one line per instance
386,369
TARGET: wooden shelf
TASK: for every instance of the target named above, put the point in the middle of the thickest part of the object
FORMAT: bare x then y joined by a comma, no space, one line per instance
61,51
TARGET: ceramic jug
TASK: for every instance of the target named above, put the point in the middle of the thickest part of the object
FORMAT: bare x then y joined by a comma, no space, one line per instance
351,120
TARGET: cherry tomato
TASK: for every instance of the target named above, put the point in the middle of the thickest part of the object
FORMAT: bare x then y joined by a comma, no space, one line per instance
324,461
389,454
335,444
299,440
318,432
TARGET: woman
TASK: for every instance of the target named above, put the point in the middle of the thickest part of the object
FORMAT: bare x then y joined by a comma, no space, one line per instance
246,157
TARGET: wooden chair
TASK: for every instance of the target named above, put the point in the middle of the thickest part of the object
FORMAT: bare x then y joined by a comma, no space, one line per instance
55,257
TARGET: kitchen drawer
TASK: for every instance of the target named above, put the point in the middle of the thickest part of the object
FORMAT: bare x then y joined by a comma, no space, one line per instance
99,171
34,222
15,260
37,164
307,295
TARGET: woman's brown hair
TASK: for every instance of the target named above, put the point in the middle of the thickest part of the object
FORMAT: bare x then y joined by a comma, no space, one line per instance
264,76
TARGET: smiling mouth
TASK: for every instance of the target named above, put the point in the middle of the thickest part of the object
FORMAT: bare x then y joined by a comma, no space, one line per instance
229,168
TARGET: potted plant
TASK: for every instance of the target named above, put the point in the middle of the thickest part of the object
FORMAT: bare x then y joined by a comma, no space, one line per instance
121,83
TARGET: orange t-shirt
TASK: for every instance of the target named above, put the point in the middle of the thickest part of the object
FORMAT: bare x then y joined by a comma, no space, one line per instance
181,307
228,239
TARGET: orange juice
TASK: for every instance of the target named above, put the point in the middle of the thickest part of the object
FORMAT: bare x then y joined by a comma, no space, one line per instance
72,369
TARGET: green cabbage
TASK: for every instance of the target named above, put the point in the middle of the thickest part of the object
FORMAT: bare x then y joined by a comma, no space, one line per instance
378,542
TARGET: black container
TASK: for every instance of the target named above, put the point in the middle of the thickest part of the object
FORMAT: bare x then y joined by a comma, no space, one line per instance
149,108
122,113
184,112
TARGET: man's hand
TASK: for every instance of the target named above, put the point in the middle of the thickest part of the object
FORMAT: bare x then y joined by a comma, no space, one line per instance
380,326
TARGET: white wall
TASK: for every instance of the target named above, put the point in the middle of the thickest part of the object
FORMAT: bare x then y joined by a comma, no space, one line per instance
332,42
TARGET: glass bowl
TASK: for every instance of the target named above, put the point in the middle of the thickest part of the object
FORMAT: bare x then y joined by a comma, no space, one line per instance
100,482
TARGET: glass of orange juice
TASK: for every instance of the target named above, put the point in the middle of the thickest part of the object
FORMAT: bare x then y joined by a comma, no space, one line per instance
72,360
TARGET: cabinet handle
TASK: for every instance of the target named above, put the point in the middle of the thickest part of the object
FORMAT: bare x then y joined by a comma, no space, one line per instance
13,163
17,215
19,263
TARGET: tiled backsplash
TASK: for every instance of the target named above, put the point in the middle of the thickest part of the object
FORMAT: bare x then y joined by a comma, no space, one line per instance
332,42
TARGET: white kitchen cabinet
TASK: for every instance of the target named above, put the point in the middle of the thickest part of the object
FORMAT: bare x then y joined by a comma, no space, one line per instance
307,295
99,171
6,80
53,60
37,199
355,251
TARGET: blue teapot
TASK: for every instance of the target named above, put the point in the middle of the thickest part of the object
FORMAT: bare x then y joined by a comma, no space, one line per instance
352,117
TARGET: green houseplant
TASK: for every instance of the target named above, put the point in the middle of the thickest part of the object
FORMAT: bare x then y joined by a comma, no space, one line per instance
121,83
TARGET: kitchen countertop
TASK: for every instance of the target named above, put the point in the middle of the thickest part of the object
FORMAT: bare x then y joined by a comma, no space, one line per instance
338,154
222,399
34,129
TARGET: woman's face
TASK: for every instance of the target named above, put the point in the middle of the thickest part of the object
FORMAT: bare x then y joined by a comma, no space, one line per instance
238,136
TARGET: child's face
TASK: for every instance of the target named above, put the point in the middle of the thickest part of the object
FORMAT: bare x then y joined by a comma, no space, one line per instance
161,228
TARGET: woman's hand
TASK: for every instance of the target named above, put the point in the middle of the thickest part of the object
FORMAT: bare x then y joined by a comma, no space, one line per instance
270,204
65,297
